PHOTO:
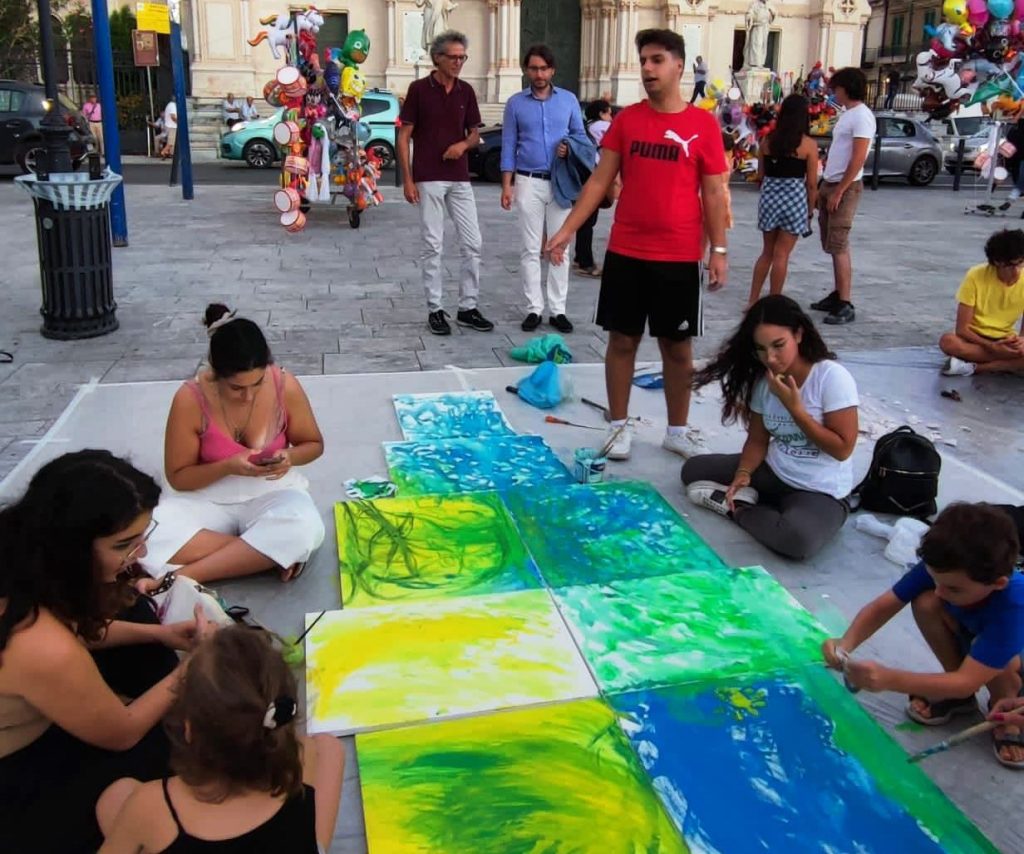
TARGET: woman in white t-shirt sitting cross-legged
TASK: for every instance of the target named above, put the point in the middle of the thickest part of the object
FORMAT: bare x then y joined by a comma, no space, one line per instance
788,486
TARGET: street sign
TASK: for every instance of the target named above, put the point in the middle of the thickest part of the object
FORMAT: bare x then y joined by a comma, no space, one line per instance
153,16
145,48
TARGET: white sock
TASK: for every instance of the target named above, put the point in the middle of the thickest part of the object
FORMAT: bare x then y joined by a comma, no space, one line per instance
615,425
676,430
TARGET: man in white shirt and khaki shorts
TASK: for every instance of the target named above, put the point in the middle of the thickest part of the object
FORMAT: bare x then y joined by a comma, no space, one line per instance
841,187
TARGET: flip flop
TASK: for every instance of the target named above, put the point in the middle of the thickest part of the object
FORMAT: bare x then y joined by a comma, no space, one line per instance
1007,740
942,711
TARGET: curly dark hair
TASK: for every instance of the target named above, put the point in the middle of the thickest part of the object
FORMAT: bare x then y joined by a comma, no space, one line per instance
737,367
793,123
853,81
231,680
47,536
1005,247
979,539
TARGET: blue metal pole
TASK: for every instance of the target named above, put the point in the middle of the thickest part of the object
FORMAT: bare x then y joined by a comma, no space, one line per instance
108,101
182,148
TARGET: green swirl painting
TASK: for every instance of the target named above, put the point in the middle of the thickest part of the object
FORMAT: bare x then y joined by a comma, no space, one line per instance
557,779
423,547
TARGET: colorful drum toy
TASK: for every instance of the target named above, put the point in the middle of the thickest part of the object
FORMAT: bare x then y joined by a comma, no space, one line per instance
293,84
287,199
287,133
293,221
296,165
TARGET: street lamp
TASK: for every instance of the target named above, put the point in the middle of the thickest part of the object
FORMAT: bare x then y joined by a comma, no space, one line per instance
54,129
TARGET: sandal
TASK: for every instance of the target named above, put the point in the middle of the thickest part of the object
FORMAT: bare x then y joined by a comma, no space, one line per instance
942,711
1006,739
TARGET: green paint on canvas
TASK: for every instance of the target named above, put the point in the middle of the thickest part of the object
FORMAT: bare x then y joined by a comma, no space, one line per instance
858,734
646,632
401,549
548,780
596,534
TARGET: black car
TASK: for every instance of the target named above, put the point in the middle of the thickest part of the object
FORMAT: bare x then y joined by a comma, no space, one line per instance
22,108
485,159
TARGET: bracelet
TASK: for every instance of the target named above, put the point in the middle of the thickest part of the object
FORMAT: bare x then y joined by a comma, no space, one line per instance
747,472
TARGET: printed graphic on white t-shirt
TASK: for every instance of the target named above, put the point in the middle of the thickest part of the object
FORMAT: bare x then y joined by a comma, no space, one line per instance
797,461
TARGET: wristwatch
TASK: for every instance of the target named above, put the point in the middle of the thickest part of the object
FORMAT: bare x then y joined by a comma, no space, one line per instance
720,250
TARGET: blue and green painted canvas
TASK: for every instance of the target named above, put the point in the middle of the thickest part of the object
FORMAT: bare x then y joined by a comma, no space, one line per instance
450,415
597,534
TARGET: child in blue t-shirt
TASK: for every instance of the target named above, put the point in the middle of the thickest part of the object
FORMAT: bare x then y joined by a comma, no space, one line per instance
968,602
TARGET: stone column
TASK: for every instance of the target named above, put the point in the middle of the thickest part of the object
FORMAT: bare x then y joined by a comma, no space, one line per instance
508,78
625,78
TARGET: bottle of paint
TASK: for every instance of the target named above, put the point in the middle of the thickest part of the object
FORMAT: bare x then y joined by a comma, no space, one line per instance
845,656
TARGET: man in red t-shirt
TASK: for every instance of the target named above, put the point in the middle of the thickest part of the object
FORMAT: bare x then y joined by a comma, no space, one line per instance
670,158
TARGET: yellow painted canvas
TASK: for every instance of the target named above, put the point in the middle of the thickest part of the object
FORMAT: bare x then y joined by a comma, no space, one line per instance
558,779
371,668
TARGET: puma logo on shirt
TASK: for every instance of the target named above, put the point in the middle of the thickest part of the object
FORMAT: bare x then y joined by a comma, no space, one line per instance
661,151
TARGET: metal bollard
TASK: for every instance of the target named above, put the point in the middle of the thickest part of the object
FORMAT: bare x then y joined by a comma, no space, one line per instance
876,158
959,169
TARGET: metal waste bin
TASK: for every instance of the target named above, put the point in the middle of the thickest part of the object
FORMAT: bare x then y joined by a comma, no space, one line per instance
73,233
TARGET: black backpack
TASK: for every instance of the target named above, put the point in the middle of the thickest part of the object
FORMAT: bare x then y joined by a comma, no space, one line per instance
903,477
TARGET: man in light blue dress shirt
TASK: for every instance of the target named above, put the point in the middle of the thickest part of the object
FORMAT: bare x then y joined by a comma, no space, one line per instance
536,122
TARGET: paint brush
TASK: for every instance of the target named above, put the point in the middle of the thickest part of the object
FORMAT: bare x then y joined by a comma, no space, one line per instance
593,405
607,446
551,419
301,637
954,740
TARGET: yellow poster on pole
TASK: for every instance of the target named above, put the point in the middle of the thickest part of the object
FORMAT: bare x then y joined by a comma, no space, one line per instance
153,16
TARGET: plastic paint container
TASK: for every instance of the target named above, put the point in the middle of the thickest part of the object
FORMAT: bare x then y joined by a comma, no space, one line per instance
588,467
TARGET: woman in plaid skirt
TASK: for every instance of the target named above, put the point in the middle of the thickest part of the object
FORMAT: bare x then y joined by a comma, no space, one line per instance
788,174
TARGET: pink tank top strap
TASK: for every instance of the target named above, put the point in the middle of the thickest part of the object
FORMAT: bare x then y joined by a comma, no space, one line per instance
204,404
282,409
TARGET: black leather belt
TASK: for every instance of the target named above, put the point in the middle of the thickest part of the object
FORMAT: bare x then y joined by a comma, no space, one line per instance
544,176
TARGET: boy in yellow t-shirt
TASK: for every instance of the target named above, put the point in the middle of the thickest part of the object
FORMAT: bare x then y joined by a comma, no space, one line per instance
990,304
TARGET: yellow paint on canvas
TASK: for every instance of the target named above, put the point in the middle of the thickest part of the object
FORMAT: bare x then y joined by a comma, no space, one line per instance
559,778
374,667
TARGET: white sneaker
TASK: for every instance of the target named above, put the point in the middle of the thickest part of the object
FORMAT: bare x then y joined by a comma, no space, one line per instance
622,445
954,367
687,444
1013,195
711,496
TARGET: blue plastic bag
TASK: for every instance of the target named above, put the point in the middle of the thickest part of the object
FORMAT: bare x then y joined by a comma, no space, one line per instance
542,388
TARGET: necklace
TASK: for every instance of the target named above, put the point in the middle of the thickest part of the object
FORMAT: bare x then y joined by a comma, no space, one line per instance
236,432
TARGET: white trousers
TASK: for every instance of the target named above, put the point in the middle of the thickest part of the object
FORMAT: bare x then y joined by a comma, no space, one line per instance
284,525
457,198
538,211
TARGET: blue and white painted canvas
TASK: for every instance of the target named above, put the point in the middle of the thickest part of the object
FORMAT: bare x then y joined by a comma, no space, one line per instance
444,466
450,415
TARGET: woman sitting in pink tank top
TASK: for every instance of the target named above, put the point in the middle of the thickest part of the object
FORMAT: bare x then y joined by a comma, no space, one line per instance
235,435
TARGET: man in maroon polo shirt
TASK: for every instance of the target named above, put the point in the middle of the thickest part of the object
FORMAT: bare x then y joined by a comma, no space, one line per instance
441,117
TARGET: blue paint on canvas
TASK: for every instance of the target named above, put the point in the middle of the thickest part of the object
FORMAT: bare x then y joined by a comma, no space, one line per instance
449,415
470,465
597,534
756,768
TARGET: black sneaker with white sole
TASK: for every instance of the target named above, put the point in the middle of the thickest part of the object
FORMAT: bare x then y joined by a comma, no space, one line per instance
472,318
829,303
843,313
438,323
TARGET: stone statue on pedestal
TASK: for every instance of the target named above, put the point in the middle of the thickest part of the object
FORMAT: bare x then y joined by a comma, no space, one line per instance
759,17
435,19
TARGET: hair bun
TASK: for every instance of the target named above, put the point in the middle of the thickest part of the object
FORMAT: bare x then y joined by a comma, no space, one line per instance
214,312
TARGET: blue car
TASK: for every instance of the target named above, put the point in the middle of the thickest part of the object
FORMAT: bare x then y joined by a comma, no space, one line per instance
254,143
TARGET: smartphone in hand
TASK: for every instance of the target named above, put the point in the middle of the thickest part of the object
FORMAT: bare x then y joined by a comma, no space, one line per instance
265,458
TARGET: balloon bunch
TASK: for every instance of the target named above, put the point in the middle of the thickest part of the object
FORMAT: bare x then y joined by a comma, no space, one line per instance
974,57
320,129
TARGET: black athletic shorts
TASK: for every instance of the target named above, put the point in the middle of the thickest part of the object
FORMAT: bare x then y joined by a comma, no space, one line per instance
663,295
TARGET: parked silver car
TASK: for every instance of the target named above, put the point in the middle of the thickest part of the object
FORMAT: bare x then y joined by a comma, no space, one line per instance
973,146
909,150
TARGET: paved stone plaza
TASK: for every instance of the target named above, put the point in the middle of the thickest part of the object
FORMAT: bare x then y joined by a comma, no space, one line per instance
337,300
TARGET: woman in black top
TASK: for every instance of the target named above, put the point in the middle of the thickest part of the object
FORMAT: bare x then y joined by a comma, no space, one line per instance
787,171
245,780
